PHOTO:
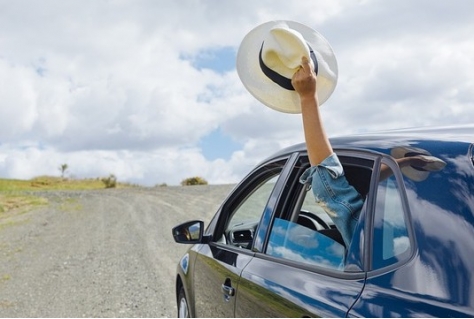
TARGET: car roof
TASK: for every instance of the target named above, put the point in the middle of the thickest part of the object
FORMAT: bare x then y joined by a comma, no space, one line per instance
390,138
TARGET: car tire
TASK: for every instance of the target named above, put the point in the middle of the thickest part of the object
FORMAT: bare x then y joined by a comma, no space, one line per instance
183,307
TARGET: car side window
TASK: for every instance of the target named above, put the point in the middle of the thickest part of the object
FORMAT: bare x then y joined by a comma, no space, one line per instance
241,226
295,242
312,214
391,242
309,235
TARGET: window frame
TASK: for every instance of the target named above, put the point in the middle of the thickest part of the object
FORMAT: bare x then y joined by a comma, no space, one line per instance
254,180
370,227
285,194
347,155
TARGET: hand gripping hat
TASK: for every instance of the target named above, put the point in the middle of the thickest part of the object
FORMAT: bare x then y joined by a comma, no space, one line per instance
271,53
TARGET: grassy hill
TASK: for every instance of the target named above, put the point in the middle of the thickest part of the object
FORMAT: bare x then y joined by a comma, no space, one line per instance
18,195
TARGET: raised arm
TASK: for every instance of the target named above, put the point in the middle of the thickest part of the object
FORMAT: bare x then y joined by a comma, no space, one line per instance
317,142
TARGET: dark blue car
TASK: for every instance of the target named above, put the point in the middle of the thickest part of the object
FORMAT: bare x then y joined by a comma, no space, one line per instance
271,251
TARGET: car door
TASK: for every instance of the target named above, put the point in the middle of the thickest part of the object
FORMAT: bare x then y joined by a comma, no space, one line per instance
304,270
391,246
411,274
219,264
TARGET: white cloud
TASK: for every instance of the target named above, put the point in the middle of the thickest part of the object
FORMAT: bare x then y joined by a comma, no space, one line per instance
103,86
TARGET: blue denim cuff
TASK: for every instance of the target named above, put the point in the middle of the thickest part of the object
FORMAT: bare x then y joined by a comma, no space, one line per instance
331,163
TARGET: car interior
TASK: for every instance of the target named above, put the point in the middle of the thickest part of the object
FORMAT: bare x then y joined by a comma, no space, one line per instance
306,211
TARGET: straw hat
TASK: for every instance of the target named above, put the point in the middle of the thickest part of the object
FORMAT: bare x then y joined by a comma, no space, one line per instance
418,174
271,53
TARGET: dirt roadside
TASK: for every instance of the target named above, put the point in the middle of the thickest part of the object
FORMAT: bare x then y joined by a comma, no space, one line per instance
106,253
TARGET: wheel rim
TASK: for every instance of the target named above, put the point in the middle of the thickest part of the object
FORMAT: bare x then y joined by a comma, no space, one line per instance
183,308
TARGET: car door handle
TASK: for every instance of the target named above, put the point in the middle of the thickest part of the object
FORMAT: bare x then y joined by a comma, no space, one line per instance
228,291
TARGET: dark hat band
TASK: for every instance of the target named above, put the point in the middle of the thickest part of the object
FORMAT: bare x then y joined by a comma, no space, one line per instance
411,154
279,79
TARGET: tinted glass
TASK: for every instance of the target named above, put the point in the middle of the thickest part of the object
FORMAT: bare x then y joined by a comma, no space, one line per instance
308,235
252,207
292,241
242,224
310,205
391,241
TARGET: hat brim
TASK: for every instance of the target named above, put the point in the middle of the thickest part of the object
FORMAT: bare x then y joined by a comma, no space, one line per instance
268,92
417,174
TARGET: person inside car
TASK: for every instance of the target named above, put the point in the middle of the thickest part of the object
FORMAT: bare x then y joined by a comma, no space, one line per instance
332,191
271,67
340,200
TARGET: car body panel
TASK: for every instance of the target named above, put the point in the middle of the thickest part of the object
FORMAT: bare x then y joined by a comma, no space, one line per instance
269,288
432,279
438,281
215,267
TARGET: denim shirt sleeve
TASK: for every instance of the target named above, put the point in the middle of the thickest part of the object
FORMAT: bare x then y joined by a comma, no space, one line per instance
335,195
331,163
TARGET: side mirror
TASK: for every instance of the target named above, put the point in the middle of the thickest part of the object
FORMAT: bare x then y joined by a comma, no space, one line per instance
189,232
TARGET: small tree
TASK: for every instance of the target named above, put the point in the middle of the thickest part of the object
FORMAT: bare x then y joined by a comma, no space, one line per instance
63,168
196,180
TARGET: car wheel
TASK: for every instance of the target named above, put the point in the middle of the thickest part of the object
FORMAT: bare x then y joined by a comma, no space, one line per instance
183,310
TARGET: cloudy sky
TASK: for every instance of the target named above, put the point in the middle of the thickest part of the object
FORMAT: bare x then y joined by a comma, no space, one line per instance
148,91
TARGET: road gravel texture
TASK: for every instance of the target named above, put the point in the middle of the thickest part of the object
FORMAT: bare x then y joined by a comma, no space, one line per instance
103,253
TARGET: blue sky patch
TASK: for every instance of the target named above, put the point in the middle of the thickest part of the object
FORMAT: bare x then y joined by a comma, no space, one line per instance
218,145
40,71
220,60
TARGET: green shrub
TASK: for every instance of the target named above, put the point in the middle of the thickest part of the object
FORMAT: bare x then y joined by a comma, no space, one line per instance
193,181
110,182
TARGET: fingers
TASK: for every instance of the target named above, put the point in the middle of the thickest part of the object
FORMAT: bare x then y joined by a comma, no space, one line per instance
304,80
304,72
305,65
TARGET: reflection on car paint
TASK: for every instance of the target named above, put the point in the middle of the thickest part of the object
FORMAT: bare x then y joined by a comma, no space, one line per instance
295,242
282,301
411,257
184,263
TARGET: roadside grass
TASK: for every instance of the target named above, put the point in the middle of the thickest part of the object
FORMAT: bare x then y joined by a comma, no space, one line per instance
15,204
14,200
54,183
70,205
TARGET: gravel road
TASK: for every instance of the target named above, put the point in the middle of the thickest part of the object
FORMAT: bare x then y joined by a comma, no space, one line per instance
103,253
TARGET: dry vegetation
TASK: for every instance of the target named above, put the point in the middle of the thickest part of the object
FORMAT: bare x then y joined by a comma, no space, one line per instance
19,195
